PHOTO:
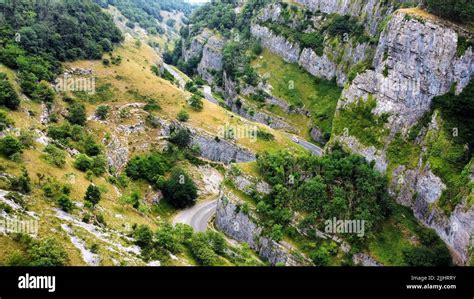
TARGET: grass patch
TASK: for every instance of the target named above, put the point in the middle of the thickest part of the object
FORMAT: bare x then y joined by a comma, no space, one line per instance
402,152
358,120
300,89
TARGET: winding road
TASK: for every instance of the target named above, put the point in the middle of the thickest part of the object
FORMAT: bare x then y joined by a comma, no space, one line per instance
198,216
314,149
175,74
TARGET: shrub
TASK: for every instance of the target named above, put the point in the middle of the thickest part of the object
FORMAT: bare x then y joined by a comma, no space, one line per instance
183,116
93,195
9,146
102,111
77,114
180,190
5,121
196,102
181,137
47,253
43,93
148,167
8,95
65,203
83,162
143,236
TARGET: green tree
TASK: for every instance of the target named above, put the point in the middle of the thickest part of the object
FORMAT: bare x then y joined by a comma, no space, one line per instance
93,195
83,162
65,203
180,190
183,116
8,95
143,236
77,114
9,146
196,102
102,111
43,93
181,137
456,10
47,253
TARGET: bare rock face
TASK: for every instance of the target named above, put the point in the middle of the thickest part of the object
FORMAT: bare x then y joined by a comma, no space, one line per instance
248,184
365,260
317,136
416,61
325,66
374,10
420,59
290,52
211,147
221,150
211,58
196,47
117,153
243,227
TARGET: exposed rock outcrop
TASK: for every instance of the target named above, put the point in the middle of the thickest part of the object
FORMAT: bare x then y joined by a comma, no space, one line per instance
415,61
212,59
243,227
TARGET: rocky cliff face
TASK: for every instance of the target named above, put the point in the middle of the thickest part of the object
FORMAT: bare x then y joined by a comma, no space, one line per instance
243,227
221,150
415,61
419,61
289,51
211,60
334,63
210,147
373,10
196,45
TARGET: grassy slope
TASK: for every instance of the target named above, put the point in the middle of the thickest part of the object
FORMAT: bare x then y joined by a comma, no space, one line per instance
318,96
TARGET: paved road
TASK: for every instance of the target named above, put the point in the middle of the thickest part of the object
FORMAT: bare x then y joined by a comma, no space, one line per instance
198,216
316,150
175,74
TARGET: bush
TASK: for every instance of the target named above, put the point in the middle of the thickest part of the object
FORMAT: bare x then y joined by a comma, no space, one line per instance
8,96
43,93
5,121
10,146
93,195
47,253
83,162
196,102
65,203
202,251
181,137
427,257
148,167
180,190
77,114
183,116
143,236
102,111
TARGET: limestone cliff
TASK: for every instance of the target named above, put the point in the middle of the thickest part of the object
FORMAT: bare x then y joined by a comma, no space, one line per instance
416,60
